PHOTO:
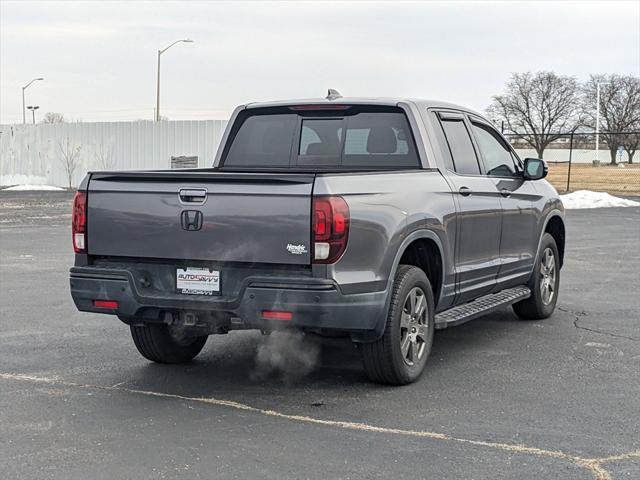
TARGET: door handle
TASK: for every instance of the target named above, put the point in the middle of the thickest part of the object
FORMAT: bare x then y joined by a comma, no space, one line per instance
193,195
465,191
505,193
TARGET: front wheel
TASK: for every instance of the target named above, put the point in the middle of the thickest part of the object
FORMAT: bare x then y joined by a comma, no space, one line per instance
544,283
162,344
400,355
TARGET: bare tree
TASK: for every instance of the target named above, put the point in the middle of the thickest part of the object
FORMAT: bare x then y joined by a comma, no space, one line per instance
53,117
538,107
631,143
103,155
70,157
619,109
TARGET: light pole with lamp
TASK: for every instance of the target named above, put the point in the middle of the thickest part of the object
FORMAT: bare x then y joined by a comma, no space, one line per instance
33,109
160,52
598,119
24,113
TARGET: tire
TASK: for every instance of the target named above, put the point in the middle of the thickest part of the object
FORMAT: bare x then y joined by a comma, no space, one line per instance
545,281
386,360
158,344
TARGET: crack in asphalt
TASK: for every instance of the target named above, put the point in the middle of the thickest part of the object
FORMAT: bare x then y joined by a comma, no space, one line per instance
579,315
594,465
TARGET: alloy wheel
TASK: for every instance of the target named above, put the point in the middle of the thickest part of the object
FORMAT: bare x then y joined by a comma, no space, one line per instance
547,276
413,326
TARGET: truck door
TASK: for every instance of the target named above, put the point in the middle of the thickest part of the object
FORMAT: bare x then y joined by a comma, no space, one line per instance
477,259
518,243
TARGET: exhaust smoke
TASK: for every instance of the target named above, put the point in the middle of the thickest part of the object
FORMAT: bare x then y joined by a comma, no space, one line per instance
287,355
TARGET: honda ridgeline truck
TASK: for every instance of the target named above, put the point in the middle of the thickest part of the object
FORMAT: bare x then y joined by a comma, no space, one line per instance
380,219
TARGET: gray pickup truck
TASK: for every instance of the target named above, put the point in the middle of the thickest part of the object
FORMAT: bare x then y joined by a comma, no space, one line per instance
377,219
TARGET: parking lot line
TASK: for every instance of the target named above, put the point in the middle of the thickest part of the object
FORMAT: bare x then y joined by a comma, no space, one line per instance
594,465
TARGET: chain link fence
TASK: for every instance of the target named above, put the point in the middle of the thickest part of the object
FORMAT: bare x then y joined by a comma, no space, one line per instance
576,164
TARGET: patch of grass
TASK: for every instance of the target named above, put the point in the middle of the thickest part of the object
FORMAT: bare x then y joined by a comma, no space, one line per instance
605,178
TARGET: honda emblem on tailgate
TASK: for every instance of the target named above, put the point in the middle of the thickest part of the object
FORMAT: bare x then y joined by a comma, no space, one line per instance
191,220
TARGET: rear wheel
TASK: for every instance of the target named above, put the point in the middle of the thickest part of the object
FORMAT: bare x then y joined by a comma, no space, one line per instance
400,355
544,283
162,344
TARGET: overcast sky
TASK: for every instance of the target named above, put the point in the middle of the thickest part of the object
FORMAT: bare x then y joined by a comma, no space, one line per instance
99,58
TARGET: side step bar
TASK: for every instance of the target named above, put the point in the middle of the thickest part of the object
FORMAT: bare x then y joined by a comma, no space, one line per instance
481,306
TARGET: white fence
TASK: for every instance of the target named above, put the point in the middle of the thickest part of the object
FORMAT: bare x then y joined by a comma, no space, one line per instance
35,154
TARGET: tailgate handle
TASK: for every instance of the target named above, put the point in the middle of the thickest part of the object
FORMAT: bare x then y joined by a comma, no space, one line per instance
193,195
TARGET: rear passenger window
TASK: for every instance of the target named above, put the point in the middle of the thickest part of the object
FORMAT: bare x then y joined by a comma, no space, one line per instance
497,158
465,161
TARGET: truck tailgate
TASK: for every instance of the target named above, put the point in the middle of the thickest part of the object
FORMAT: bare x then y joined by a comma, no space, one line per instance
201,215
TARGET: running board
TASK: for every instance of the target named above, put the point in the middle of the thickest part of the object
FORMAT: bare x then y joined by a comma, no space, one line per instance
481,306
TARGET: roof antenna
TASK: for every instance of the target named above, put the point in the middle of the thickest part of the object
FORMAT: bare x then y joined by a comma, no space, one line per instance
332,94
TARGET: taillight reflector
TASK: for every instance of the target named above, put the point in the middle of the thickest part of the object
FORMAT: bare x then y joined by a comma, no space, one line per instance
273,315
79,222
330,228
110,304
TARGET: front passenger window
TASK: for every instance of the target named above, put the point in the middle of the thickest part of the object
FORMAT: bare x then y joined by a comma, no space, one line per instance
497,157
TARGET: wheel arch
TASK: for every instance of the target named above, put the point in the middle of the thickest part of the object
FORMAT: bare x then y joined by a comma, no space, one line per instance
415,238
425,253
554,226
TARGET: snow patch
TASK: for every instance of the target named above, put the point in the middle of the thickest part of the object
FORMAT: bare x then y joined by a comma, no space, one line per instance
32,187
589,199
19,179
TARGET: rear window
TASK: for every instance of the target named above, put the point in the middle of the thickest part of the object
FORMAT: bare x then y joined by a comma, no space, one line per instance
344,139
263,140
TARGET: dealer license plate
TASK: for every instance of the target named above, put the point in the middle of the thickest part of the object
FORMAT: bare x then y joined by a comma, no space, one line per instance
198,281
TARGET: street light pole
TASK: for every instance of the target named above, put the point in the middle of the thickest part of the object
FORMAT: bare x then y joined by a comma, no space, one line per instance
160,52
598,118
24,119
158,90
33,112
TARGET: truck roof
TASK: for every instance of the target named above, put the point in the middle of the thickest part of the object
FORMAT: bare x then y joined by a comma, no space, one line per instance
385,101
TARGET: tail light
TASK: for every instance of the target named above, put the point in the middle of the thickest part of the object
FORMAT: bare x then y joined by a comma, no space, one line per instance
330,228
79,222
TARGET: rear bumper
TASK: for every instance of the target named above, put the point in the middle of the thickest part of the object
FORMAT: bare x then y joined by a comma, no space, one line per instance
314,303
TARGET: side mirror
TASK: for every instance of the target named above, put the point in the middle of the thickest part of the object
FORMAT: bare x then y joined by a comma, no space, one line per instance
535,169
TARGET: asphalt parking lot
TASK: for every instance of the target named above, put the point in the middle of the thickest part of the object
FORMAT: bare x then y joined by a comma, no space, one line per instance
500,398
